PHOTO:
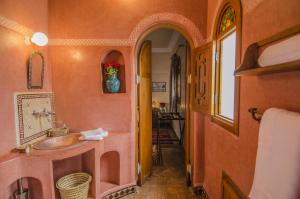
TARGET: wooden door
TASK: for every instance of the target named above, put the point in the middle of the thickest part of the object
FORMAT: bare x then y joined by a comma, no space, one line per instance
187,130
144,112
230,190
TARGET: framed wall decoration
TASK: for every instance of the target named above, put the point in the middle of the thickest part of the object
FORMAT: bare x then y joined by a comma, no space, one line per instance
159,86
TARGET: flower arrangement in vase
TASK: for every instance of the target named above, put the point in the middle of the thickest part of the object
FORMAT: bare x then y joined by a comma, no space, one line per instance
112,82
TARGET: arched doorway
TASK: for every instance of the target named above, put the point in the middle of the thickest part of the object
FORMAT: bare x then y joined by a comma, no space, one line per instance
139,51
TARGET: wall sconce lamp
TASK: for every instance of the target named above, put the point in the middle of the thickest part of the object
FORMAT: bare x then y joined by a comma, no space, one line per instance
38,38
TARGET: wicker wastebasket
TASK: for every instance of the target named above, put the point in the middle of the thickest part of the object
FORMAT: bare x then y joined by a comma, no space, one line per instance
74,186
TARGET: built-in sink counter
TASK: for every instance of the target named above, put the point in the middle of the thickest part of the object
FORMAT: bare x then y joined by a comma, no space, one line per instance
101,159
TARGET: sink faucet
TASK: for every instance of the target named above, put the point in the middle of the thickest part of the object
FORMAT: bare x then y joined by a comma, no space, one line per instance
43,113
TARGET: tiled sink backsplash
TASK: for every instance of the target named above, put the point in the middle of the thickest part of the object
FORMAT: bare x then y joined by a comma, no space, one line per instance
34,116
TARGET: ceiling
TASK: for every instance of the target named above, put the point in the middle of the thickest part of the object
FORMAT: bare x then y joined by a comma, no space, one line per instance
164,40
160,38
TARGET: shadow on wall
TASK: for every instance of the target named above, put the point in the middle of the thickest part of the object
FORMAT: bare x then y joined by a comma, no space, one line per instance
34,185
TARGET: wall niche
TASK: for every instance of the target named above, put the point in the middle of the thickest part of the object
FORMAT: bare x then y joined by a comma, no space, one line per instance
33,185
109,170
113,73
83,162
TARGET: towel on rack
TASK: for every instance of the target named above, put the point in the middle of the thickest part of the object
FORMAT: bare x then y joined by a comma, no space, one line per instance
96,134
277,171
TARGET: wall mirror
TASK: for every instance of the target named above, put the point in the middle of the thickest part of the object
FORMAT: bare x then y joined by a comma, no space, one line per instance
35,74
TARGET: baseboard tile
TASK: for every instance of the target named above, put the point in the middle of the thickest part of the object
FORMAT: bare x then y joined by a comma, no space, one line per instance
121,193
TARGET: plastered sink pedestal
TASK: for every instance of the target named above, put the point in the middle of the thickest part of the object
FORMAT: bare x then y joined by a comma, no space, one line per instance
59,142
109,161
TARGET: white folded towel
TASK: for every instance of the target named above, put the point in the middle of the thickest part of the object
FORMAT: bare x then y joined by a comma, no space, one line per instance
96,134
277,171
92,132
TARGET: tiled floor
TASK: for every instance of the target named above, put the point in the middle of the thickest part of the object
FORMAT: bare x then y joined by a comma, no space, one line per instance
167,181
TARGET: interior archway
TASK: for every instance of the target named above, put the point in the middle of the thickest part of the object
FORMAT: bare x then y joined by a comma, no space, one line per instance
190,45
158,26
171,20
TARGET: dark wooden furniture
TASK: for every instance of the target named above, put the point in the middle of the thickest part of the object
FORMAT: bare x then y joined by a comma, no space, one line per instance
171,117
162,117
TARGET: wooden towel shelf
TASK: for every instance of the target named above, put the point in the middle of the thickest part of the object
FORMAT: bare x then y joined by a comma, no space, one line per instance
250,64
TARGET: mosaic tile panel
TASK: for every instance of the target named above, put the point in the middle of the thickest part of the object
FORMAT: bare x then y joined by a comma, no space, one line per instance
30,126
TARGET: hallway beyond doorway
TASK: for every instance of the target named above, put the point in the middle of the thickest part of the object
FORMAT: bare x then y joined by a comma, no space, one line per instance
167,181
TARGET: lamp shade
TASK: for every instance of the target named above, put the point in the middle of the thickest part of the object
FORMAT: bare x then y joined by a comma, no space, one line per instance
39,39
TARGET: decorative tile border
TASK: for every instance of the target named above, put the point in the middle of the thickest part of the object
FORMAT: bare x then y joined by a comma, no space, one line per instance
89,42
139,29
121,193
14,26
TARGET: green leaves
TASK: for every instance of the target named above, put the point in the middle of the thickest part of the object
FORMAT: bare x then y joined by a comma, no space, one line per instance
111,70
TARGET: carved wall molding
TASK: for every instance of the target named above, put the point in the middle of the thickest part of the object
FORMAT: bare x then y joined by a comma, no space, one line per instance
14,26
172,18
89,42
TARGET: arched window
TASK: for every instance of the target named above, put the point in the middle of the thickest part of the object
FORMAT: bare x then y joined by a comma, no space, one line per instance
227,36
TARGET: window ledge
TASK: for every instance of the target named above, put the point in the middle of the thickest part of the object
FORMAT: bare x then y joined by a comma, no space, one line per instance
226,124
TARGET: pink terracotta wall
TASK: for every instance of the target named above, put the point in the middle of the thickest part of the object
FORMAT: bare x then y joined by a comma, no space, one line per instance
13,58
236,155
106,19
76,72
76,69
77,84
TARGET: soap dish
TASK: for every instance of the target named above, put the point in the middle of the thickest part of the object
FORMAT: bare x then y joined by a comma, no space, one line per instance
24,149
58,131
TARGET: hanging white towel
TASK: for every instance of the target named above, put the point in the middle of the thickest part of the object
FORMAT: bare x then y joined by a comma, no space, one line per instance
277,171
